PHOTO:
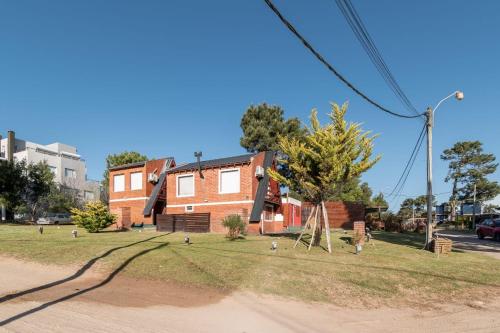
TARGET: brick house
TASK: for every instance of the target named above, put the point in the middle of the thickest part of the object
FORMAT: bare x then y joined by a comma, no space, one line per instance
137,191
233,185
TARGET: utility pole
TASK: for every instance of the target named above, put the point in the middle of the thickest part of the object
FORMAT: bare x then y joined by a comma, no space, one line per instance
428,230
474,210
413,213
429,124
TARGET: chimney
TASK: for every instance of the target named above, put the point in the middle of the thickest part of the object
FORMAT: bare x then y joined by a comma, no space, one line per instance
11,142
198,155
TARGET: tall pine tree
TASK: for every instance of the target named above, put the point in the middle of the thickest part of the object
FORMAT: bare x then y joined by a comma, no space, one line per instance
324,160
469,166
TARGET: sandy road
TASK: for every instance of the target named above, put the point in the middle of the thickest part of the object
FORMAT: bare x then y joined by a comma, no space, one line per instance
129,306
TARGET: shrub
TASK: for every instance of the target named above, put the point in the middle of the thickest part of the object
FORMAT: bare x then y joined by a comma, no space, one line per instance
374,223
392,222
93,217
235,225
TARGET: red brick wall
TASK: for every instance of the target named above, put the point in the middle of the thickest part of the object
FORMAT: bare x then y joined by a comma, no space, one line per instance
217,213
136,213
127,193
359,227
206,195
340,214
207,198
136,206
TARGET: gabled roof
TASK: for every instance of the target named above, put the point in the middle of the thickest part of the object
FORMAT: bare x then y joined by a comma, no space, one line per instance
240,159
260,195
138,164
127,166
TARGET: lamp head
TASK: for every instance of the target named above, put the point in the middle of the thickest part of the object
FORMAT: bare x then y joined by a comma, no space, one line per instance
459,95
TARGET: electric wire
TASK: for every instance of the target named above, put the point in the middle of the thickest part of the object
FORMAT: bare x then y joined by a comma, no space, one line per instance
356,24
409,170
413,153
330,67
410,166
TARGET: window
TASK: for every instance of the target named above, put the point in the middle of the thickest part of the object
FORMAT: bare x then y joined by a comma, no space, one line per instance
53,169
268,213
88,196
189,209
488,222
229,181
69,173
136,181
119,183
185,186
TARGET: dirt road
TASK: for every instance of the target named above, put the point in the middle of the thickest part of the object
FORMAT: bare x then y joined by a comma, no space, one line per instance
38,298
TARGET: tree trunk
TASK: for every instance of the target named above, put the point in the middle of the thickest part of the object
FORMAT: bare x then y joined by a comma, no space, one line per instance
327,227
453,202
315,228
319,229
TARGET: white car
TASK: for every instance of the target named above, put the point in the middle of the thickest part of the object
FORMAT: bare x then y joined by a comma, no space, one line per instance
55,218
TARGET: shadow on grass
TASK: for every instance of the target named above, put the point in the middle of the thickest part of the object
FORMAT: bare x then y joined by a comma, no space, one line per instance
412,240
77,274
305,240
83,291
373,267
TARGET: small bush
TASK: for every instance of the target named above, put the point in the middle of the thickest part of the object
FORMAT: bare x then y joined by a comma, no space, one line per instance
392,222
93,217
235,225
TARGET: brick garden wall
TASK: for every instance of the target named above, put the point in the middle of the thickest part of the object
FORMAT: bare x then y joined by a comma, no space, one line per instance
340,214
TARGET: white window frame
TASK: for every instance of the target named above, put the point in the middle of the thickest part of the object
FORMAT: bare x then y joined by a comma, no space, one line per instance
85,193
131,182
177,185
189,210
114,183
221,171
53,169
73,173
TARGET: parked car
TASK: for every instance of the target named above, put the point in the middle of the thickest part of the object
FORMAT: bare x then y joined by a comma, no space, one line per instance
489,228
55,218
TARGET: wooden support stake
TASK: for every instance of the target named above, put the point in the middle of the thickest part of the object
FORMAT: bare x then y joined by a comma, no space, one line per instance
327,227
305,227
314,228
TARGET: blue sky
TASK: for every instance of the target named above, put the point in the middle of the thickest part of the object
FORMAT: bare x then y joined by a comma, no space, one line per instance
172,77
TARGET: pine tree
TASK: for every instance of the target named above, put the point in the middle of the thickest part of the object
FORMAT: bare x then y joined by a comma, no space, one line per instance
324,160
262,125
469,166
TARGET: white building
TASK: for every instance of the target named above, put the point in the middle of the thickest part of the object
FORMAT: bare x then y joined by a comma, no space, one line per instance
68,167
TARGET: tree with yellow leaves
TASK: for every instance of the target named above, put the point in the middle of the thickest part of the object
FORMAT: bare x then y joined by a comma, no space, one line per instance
323,161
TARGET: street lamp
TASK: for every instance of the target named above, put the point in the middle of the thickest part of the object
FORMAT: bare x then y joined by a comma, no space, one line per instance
459,95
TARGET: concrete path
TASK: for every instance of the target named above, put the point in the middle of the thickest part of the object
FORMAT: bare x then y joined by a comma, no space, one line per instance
470,242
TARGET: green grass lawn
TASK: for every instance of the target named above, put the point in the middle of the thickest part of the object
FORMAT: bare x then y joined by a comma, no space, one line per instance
393,271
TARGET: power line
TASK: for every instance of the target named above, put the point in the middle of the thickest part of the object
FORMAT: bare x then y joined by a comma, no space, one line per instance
413,154
330,67
353,19
411,166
